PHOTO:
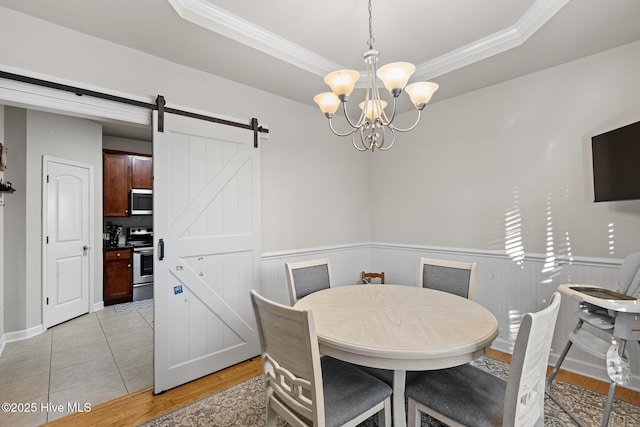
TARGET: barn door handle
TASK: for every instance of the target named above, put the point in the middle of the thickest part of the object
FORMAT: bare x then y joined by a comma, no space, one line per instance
161,243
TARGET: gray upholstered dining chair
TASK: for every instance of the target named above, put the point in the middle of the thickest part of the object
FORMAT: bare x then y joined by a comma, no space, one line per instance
449,276
304,388
468,396
306,277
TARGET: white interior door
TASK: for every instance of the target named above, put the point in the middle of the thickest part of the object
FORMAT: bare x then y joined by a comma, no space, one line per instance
67,222
207,214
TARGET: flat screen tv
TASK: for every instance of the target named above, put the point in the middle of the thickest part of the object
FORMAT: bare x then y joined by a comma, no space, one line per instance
616,164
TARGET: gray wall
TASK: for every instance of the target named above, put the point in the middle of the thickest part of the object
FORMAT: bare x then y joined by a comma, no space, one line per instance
15,244
31,135
524,144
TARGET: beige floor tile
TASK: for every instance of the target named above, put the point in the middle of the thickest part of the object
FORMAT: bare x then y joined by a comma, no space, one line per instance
132,340
77,341
32,348
90,359
134,356
90,318
138,377
147,314
25,389
89,327
90,372
24,369
129,321
80,354
34,416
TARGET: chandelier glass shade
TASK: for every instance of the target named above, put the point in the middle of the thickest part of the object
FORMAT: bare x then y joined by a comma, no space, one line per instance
375,128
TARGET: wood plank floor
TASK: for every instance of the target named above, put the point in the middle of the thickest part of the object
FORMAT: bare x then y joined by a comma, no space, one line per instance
136,408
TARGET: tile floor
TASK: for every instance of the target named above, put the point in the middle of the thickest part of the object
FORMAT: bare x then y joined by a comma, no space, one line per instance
88,360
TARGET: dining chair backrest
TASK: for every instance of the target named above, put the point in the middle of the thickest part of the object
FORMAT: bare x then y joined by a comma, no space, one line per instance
524,398
455,277
469,396
291,361
297,378
307,277
368,278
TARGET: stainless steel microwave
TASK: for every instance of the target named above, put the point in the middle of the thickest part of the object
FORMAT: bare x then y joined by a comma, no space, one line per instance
141,202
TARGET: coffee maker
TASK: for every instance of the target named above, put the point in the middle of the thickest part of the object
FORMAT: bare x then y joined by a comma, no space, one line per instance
114,235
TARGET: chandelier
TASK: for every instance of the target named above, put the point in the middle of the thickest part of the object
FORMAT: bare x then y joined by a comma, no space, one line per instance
374,127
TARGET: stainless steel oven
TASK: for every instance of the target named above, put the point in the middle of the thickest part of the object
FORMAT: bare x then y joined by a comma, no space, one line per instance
141,239
142,265
142,273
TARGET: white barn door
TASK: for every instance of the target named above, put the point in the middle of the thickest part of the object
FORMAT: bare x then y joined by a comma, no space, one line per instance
207,242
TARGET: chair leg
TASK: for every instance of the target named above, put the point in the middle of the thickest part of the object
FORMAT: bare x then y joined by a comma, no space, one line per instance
413,414
271,415
384,416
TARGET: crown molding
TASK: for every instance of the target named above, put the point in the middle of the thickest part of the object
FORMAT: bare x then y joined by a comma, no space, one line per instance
218,20
501,41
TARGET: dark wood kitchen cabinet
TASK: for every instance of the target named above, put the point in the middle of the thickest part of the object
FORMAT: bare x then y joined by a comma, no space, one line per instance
118,276
141,172
123,171
116,184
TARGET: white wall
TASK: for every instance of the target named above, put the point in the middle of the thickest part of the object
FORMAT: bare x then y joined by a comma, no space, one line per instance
524,144
315,187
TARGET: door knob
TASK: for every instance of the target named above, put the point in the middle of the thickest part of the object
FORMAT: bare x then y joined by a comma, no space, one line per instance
85,249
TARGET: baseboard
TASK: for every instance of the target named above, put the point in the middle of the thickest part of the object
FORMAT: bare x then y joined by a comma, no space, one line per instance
24,334
35,330
588,383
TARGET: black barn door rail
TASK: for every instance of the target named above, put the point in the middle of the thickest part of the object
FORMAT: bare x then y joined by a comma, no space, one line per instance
159,105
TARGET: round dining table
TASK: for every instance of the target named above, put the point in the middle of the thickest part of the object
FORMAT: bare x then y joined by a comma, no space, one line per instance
399,328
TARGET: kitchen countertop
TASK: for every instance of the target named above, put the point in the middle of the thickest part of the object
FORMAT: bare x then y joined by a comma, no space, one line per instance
126,246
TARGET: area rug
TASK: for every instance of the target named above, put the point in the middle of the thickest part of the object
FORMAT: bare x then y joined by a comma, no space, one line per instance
133,305
243,406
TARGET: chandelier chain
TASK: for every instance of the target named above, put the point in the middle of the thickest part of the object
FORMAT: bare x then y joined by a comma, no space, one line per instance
371,39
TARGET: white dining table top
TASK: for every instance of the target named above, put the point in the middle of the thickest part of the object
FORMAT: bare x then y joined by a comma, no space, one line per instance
400,327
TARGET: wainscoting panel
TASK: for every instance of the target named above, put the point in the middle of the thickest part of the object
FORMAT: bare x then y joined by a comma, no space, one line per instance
507,287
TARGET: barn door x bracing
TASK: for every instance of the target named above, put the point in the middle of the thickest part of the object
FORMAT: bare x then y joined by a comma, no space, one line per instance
207,241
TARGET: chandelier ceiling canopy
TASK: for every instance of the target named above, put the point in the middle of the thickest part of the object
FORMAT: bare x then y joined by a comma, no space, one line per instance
375,128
